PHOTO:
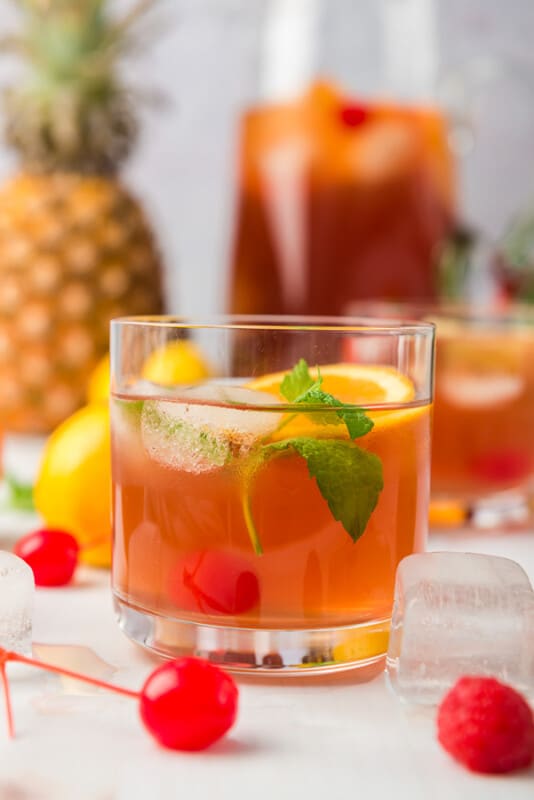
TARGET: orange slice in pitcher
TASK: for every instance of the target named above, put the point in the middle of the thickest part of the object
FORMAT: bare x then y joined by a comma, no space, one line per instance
359,384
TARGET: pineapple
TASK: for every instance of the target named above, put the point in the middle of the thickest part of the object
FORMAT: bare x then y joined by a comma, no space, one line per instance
75,246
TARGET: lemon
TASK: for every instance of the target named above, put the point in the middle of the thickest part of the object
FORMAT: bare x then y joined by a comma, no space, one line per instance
176,362
73,487
361,645
98,388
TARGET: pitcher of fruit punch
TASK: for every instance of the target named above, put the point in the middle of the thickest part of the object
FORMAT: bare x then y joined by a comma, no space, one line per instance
345,178
339,197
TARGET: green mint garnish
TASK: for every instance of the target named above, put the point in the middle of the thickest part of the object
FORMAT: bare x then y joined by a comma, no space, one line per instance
19,495
299,387
349,478
297,382
130,409
247,512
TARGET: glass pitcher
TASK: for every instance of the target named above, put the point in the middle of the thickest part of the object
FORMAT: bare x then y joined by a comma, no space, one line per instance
346,181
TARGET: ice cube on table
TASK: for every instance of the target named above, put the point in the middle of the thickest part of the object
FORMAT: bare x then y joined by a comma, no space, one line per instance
459,614
17,588
205,425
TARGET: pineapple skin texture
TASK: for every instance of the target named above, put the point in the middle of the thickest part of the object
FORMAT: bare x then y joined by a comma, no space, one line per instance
75,251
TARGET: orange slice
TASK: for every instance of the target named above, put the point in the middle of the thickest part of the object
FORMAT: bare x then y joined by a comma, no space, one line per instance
359,384
446,514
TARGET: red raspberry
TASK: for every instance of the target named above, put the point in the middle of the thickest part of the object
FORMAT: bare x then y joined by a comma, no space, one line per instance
486,725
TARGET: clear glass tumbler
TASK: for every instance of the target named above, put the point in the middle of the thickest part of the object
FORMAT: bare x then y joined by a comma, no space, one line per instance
483,434
261,511
483,420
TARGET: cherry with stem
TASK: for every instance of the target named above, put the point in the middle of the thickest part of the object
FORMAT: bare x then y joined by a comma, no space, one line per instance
185,704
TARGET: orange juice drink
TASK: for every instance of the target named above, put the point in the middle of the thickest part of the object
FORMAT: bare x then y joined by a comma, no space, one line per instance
483,441
482,465
259,520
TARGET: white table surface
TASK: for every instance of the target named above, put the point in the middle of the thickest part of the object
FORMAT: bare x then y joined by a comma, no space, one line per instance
329,738
321,738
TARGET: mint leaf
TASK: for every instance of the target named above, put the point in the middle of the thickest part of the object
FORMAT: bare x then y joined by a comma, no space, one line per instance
298,386
350,479
297,382
19,495
356,420
130,410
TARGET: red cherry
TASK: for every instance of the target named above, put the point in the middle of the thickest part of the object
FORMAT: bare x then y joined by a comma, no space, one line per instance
503,466
214,582
188,704
52,555
353,115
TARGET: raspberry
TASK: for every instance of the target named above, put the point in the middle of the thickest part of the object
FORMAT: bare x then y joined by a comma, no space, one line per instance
486,725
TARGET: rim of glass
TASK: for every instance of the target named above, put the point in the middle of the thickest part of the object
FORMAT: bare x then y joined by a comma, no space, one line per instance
266,322
515,313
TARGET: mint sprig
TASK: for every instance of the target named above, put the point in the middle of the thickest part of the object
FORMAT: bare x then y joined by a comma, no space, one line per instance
299,387
298,382
349,478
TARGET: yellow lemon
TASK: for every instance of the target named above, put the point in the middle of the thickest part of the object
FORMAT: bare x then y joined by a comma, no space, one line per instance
98,388
359,646
73,488
177,362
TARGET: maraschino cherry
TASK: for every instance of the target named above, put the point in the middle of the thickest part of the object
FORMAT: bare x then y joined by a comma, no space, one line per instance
352,115
188,704
185,704
52,554
214,582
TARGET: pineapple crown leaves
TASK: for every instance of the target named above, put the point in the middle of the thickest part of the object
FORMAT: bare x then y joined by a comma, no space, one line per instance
72,112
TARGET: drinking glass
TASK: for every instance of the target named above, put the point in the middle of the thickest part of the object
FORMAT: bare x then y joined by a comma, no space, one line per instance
483,435
259,515
483,421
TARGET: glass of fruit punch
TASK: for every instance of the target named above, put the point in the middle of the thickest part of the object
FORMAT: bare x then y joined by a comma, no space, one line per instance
259,515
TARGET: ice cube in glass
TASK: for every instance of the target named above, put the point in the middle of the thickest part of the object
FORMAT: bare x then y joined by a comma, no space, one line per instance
459,614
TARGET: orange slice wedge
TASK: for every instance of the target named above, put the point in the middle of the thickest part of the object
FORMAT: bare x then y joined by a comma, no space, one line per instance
359,384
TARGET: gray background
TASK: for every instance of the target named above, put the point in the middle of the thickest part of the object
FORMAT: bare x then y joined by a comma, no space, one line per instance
215,56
